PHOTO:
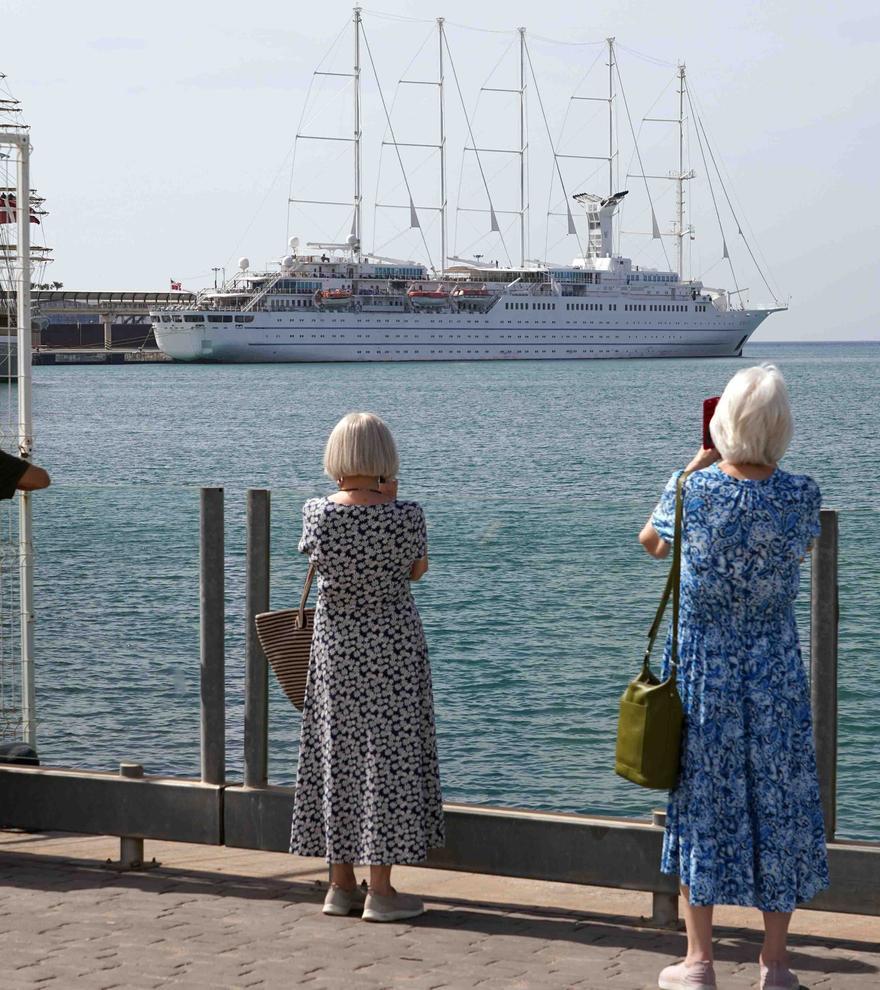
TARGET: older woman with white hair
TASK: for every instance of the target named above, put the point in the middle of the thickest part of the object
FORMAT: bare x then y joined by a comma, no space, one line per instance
368,784
744,823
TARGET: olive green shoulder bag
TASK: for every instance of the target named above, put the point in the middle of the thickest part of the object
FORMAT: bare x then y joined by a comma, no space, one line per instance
649,728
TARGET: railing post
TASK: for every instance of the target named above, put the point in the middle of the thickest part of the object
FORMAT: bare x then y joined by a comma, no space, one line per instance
824,615
664,907
212,637
131,850
256,682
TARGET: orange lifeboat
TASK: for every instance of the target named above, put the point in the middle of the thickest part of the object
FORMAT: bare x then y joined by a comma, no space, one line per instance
333,298
427,298
470,292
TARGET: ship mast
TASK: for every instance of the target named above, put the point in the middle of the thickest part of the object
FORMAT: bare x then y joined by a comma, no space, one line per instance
441,41
356,220
610,116
523,205
680,178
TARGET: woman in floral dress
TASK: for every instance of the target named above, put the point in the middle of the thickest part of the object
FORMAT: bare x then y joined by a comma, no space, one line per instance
744,824
368,784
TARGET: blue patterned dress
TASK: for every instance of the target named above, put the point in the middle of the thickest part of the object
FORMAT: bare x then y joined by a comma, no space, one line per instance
744,824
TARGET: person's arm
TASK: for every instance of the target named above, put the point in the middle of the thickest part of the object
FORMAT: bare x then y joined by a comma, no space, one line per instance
649,538
653,542
419,568
33,479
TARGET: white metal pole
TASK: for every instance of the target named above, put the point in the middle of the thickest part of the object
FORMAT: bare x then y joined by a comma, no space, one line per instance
442,153
523,204
25,442
357,129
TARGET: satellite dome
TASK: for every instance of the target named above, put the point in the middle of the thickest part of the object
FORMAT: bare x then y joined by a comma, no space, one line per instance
352,240
293,243
243,264
288,261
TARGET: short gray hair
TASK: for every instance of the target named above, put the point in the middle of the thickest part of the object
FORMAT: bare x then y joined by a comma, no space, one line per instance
361,444
752,422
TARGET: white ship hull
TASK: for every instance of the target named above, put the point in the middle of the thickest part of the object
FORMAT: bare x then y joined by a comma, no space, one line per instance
322,337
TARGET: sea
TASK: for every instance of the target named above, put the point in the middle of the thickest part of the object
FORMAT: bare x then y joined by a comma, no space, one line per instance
535,477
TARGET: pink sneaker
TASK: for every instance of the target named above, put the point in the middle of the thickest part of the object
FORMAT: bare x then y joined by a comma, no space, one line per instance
777,976
698,976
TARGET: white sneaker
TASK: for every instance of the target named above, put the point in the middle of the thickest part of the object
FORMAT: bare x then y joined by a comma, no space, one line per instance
777,976
699,976
340,902
394,907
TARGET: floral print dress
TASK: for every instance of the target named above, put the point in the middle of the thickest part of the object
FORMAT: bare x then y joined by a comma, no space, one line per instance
368,783
744,823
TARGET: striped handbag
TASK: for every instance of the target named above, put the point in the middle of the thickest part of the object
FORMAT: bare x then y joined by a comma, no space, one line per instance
286,638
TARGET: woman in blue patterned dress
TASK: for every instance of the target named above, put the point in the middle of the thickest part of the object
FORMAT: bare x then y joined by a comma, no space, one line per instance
744,824
368,784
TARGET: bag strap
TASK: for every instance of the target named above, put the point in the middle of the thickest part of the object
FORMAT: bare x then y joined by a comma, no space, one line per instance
307,587
673,584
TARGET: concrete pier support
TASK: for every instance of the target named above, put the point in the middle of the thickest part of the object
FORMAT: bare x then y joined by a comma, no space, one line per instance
107,323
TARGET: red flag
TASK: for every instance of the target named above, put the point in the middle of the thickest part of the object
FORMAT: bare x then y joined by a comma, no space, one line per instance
8,212
175,286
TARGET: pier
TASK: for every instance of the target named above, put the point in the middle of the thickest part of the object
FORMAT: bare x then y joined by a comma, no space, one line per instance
517,897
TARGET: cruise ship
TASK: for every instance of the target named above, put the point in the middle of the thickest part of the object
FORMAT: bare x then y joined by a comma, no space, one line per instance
335,302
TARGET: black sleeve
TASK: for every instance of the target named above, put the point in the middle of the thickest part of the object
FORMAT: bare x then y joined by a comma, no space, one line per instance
11,470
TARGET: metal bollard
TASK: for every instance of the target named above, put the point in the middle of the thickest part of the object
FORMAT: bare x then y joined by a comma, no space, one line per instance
256,683
212,635
824,617
131,850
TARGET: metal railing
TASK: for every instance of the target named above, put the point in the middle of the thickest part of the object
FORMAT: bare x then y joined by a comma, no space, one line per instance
593,850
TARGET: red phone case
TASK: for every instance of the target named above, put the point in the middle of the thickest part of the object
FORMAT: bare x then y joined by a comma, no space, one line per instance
708,412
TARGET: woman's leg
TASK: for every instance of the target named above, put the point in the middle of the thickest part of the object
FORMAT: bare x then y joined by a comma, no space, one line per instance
380,880
775,936
698,922
342,875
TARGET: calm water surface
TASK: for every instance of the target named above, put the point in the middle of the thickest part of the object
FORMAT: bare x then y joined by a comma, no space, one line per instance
535,476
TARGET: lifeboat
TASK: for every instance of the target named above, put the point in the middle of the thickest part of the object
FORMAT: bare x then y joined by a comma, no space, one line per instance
333,298
427,298
470,292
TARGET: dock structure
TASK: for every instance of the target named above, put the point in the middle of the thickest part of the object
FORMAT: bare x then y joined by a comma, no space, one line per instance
489,844
69,320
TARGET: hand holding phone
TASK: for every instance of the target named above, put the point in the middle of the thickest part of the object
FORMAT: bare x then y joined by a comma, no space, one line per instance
708,412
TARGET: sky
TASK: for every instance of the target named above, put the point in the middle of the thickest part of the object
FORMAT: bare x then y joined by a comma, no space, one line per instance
164,136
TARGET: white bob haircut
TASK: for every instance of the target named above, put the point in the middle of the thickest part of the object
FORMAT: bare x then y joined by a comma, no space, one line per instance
752,422
361,444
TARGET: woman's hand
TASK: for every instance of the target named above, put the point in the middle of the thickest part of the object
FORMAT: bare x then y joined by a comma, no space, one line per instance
703,458
389,487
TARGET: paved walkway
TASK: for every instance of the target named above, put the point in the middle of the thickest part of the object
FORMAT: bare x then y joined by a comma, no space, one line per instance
211,919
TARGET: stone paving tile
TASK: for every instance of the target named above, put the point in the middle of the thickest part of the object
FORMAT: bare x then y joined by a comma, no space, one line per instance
73,925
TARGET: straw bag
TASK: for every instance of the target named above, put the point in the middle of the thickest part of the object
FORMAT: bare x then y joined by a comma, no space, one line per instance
286,638
649,727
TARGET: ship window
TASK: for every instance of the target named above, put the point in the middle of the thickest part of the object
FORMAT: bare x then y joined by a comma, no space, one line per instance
193,319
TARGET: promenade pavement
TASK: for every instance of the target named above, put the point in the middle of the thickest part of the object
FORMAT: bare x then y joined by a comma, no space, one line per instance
219,918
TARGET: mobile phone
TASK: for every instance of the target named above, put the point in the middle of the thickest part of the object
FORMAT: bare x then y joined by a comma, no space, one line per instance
708,412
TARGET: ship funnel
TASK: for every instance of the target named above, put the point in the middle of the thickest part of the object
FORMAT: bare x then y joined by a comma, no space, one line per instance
600,212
